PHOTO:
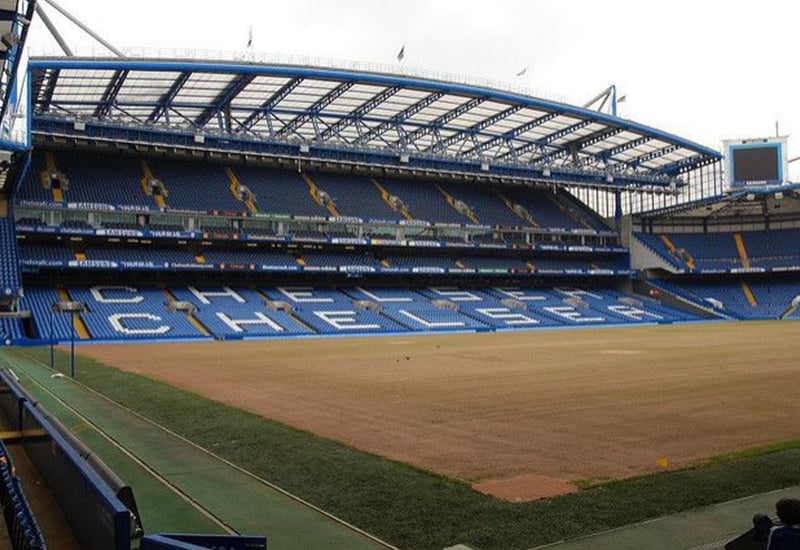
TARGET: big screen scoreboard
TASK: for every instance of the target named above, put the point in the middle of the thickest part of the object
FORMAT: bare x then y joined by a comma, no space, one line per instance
756,162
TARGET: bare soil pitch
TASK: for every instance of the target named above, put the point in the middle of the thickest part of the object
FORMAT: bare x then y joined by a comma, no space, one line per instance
549,405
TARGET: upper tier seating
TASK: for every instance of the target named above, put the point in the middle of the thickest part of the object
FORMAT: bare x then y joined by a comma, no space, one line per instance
280,191
423,200
194,186
544,207
356,196
203,186
101,179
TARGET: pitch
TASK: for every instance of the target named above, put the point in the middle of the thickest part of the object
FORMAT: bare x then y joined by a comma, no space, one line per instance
522,415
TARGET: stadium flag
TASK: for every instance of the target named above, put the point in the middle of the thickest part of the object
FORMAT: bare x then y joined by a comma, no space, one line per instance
621,99
522,72
663,462
402,53
250,38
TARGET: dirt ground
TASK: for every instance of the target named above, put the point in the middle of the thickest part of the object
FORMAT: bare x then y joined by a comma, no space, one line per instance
549,405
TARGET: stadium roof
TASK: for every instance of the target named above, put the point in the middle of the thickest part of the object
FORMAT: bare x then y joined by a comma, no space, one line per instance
742,203
305,110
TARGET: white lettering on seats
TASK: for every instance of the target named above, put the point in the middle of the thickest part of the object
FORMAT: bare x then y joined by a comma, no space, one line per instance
97,294
261,319
227,292
117,321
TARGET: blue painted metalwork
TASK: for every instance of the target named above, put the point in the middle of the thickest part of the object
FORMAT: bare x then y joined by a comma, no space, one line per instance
647,157
360,112
380,134
10,72
586,141
324,73
475,129
106,132
110,95
399,118
265,108
438,123
511,134
547,140
315,109
223,100
622,147
163,106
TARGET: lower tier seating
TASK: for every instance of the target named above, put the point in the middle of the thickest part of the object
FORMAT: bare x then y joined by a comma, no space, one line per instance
123,312
739,298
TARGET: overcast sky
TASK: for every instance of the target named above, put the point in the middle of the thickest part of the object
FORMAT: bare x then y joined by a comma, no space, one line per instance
703,69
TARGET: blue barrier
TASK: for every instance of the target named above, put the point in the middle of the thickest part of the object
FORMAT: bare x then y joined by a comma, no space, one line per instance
202,542
96,515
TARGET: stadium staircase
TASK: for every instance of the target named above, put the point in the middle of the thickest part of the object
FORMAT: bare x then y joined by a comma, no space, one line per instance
387,198
51,168
147,177
518,210
742,253
789,313
289,314
570,212
235,187
748,292
318,195
458,205
189,315
77,323
681,256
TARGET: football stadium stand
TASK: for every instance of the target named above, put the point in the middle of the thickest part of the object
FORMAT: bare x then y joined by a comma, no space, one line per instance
739,298
468,229
122,312
727,251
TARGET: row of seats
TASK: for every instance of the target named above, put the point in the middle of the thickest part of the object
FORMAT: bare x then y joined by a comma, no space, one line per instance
720,251
740,299
21,525
120,312
199,186
46,254
9,259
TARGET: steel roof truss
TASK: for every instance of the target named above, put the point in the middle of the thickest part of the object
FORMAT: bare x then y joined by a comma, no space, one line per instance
475,129
646,157
359,112
47,98
166,100
315,109
266,108
574,147
435,125
399,118
511,134
223,101
110,94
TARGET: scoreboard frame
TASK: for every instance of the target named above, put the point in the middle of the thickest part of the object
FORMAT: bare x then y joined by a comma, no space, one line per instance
731,147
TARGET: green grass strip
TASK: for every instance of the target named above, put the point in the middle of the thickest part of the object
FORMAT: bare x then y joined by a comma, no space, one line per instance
414,509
